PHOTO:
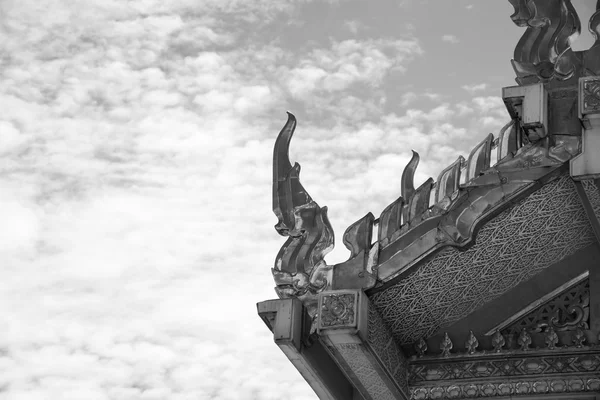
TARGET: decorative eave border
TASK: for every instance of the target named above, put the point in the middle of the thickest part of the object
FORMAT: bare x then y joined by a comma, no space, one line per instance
566,370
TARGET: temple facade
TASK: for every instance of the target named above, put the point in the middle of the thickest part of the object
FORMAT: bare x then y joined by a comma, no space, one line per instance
482,283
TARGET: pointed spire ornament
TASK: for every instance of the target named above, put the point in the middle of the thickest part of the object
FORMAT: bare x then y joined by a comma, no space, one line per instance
498,342
579,338
421,347
446,345
472,343
524,340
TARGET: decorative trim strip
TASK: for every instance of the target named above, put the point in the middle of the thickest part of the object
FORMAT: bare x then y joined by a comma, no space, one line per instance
496,389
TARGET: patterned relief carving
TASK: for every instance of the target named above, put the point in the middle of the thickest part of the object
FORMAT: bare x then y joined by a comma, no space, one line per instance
337,310
593,194
591,96
568,311
514,246
364,371
387,350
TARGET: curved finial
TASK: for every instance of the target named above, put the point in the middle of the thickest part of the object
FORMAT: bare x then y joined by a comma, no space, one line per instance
288,192
408,176
300,268
544,51
594,24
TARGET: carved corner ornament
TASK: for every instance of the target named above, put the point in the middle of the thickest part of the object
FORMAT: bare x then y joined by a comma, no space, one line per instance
338,310
300,269
544,52
590,96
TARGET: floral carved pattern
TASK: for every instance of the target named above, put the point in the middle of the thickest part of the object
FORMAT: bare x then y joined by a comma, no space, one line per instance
337,310
537,232
591,96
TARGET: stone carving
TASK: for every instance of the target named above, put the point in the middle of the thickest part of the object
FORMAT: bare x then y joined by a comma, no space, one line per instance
536,232
498,342
446,345
544,51
300,270
579,338
421,347
551,338
591,96
524,340
338,310
567,311
472,343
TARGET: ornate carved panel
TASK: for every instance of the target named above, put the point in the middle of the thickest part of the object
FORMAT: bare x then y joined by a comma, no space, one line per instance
536,232
337,310
591,96
568,311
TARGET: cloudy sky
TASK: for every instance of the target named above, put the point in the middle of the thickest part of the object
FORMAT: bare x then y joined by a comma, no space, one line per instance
135,171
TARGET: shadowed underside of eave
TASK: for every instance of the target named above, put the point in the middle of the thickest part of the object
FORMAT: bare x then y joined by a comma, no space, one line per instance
537,232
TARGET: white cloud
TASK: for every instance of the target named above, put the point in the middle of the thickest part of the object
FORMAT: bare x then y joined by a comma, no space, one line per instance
135,177
475,88
450,39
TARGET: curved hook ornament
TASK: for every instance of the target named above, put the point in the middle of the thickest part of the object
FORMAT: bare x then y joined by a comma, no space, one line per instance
544,51
300,269
408,176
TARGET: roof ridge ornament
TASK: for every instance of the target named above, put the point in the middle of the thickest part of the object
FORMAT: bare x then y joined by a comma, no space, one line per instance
300,269
544,51
591,58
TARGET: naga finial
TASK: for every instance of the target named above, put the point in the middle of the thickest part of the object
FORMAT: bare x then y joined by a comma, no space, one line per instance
591,58
544,51
300,269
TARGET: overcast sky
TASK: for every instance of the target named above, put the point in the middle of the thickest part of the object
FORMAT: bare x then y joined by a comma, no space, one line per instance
135,171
